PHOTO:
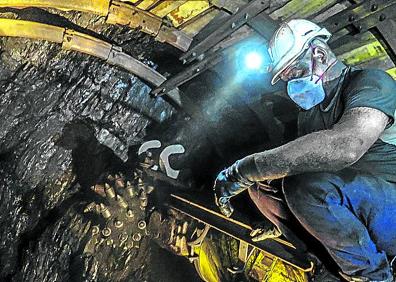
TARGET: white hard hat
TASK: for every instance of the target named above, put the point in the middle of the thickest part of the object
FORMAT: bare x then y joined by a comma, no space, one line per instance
291,40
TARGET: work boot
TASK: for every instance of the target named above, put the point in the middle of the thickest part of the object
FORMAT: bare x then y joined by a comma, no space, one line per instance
320,273
363,279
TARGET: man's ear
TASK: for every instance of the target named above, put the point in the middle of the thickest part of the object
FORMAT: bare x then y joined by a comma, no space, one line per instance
320,54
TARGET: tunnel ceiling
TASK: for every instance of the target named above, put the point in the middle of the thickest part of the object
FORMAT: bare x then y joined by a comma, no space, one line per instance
178,22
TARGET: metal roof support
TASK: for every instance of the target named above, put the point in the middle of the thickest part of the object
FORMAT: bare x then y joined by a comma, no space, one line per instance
210,50
360,17
388,29
77,41
116,13
225,29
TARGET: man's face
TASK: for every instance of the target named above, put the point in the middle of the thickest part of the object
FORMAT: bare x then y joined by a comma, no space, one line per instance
301,67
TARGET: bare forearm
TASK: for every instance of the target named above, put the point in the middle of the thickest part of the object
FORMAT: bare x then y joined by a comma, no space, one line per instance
320,151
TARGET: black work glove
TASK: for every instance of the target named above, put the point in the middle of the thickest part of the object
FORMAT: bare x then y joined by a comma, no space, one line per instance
229,182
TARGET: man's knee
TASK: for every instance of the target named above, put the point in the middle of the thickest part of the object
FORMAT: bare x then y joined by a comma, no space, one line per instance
304,191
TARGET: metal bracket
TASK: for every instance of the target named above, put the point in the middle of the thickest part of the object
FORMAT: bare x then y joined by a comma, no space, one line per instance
121,13
225,29
174,37
388,30
264,25
362,16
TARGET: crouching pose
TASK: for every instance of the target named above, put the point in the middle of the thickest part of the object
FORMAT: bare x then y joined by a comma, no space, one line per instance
339,176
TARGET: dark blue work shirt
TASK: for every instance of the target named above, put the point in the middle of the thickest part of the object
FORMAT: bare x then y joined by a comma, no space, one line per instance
361,88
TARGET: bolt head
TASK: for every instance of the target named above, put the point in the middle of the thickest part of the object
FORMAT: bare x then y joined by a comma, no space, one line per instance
137,237
130,245
130,214
118,224
106,231
142,224
123,237
109,242
95,230
382,17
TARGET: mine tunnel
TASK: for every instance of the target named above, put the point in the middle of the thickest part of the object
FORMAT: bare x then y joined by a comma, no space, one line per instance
116,117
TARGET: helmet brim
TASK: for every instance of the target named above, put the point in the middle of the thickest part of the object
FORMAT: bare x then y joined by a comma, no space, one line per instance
282,67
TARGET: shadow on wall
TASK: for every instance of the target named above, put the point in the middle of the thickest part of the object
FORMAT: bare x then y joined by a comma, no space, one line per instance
91,160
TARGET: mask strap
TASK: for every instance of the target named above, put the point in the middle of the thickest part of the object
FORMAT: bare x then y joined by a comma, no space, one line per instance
312,61
321,76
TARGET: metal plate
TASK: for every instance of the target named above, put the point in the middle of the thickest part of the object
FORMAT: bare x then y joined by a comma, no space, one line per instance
147,4
388,31
301,8
87,44
187,11
120,13
165,7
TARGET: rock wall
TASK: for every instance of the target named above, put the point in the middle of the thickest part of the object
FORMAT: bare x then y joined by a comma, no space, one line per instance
67,121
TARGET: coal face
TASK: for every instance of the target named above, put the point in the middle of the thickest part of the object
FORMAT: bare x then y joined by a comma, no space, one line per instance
67,120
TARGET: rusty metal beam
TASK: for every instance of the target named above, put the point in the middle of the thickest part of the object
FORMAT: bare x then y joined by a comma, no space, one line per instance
361,16
225,29
116,13
187,12
209,51
167,6
215,56
17,28
387,30
124,14
174,37
229,6
121,59
100,7
77,41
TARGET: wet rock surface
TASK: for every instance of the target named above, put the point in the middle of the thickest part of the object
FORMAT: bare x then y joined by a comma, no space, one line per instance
67,121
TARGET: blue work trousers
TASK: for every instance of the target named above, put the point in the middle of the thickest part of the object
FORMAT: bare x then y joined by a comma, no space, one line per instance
352,213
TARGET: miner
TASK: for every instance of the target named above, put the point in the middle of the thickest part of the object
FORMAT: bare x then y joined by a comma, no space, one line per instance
339,176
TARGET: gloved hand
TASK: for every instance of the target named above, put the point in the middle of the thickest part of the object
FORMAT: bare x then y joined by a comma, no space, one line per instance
229,182
264,233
